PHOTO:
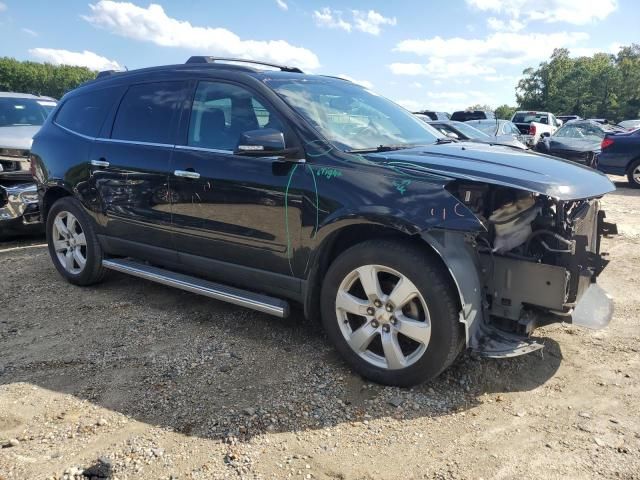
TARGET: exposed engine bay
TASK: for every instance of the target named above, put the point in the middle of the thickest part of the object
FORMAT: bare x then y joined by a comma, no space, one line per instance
537,253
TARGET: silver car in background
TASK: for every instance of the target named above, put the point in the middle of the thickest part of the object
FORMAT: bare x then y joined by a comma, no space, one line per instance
21,116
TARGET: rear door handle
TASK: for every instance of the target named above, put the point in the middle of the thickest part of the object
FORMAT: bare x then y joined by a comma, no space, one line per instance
186,174
99,163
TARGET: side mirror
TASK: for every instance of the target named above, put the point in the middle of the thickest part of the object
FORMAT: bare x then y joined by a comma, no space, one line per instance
546,134
262,143
453,135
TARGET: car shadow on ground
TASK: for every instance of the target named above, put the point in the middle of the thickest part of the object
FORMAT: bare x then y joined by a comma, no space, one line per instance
205,368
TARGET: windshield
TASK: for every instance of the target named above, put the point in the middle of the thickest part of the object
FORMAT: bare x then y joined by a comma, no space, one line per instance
486,129
580,130
24,111
528,117
351,117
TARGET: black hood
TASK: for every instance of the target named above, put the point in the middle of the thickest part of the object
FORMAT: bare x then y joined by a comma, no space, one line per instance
498,165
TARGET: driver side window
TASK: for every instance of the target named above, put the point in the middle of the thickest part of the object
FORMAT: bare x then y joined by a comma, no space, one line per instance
222,112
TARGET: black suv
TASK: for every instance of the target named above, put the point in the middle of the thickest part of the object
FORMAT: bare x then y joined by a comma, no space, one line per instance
466,115
263,187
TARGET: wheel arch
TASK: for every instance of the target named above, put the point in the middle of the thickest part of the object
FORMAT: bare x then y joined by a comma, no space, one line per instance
347,236
51,195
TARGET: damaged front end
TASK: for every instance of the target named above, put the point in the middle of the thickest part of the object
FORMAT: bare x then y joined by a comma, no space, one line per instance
537,259
19,209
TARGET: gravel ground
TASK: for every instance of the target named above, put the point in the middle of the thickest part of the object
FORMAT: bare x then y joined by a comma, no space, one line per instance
130,380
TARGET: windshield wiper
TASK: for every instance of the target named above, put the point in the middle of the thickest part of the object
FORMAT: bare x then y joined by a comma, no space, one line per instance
442,141
382,148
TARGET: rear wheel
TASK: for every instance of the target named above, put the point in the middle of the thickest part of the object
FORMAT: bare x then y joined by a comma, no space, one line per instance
73,244
633,174
391,311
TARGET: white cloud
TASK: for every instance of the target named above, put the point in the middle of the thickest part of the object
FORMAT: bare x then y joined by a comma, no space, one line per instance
367,22
441,68
576,12
3,6
613,48
512,25
331,19
416,85
371,21
28,31
365,83
152,24
282,5
500,47
411,105
65,57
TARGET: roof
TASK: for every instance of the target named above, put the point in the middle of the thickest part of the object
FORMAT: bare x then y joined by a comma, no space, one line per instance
24,95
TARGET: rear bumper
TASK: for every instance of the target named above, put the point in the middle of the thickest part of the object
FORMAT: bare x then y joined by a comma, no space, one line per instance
19,209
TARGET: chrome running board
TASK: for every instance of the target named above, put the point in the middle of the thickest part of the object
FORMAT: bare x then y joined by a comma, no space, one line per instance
243,298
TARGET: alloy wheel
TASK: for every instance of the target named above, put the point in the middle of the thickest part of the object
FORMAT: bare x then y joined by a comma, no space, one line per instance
636,174
69,242
383,317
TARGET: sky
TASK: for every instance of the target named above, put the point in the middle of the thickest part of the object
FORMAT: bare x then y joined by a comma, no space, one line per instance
439,54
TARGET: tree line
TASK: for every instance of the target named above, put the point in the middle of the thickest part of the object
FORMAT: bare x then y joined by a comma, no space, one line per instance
41,78
600,86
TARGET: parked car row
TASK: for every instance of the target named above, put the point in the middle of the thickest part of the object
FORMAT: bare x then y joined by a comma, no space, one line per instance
595,142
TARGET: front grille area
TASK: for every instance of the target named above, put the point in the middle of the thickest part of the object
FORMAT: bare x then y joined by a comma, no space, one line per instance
14,152
9,166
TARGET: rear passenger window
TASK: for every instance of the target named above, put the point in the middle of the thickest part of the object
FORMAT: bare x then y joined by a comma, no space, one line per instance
85,113
147,112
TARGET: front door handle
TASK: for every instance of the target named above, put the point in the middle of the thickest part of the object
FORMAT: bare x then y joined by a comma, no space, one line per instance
100,163
186,174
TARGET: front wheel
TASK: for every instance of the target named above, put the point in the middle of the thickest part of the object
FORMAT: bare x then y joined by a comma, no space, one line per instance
633,174
391,311
73,244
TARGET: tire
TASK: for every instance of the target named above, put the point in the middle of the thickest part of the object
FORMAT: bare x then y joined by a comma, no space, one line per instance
380,327
633,174
80,240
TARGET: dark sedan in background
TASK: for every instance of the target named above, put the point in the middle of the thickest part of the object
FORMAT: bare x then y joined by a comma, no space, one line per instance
464,131
498,128
578,141
621,156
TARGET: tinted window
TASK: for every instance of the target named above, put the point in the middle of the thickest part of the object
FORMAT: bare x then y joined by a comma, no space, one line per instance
147,112
221,112
85,113
24,111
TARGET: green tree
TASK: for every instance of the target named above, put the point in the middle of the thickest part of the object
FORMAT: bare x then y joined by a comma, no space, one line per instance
505,112
601,85
41,78
483,108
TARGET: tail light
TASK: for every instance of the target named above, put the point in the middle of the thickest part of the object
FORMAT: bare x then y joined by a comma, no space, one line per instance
606,142
532,129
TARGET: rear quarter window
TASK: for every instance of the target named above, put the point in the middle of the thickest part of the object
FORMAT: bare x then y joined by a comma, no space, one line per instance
85,113
148,111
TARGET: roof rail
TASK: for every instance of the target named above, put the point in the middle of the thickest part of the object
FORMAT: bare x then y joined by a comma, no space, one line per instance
206,59
106,73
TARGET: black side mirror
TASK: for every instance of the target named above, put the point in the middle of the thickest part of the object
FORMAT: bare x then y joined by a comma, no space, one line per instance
546,134
262,143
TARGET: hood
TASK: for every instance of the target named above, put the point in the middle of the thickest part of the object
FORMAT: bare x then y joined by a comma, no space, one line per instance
499,165
574,144
19,137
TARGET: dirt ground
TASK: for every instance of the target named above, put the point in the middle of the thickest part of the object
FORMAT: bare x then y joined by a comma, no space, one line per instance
133,380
